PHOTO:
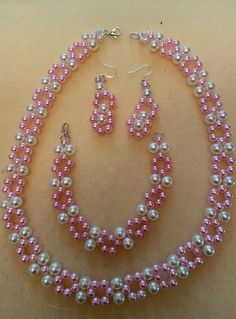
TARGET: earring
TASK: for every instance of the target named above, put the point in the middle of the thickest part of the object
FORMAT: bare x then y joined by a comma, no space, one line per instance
102,118
140,122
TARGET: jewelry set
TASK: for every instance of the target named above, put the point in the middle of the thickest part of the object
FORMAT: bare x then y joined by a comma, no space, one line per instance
191,254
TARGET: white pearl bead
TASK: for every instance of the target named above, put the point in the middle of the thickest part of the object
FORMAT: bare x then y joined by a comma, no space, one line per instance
210,212
101,118
186,49
222,115
128,243
103,107
22,170
208,250
164,147
147,273
229,181
167,181
42,112
55,268
153,147
10,168
153,287
84,282
62,218
154,179
4,203
43,258
80,297
16,201
45,80
25,232
153,46
141,209
46,281
116,283
203,73
19,137
210,85
153,214
66,182
34,269
138,124
143,114
14,238
90,244
99,87
55,182
63,56
31,140
69,149
216,148
197,240
93,45
119,298
177,58
56,87
147,92
30,107
183,272
58,149
210,118
72,65
215,179
120,232
173,260
73,210
224,216
229,147
159,35
192,79
94,232
85,36
199,91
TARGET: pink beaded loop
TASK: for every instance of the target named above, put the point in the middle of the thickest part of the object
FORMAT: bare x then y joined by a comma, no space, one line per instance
162,164
43,97
169,47
15,219
211,230
190,64
165,275
66,283
79,51
223,164
62,165
59,72
14,185
219,132
155,197
31,124
210,102
190,255
62,198
20,154
29,249
220,198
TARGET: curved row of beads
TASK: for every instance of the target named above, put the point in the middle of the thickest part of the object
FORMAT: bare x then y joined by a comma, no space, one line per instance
186,258
78,226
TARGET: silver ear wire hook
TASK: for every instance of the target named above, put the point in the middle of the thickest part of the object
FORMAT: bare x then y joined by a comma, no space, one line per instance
108,76
65,131
141,67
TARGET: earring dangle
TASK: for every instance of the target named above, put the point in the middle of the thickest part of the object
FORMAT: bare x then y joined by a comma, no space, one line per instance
102,118
140,122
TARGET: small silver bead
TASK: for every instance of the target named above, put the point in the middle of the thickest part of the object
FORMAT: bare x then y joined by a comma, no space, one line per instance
101,118
33,269
31,140
210,212
164,147
10,168
182,272
141,209
72,65
99,86
19,137
192,79
210,85
45,80
224,216
153,46
85,36
55,268
173,260
147,92
62,218
199,91
58,149
167,181
229,181
153,287
210,118
143,114
229,147
69,149
25,232
90,244
73,210
159,35
80,297
84,282
147,273
222,115
138,124
55,182
14,238
153,147
197,240
56,87
30,107
16,201
153,214
43,258
4,203
128,243
46,281
93,45
116,283
154,179
120,232
64,56
216,148
177,58
103,107
66,182
22,170
119,298
42,112
208,250
186,49
94,232
215,180
203,73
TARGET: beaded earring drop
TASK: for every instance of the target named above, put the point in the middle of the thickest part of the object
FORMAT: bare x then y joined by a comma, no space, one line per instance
102,118
140,122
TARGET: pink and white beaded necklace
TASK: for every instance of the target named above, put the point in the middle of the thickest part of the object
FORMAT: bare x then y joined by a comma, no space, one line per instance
191,254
